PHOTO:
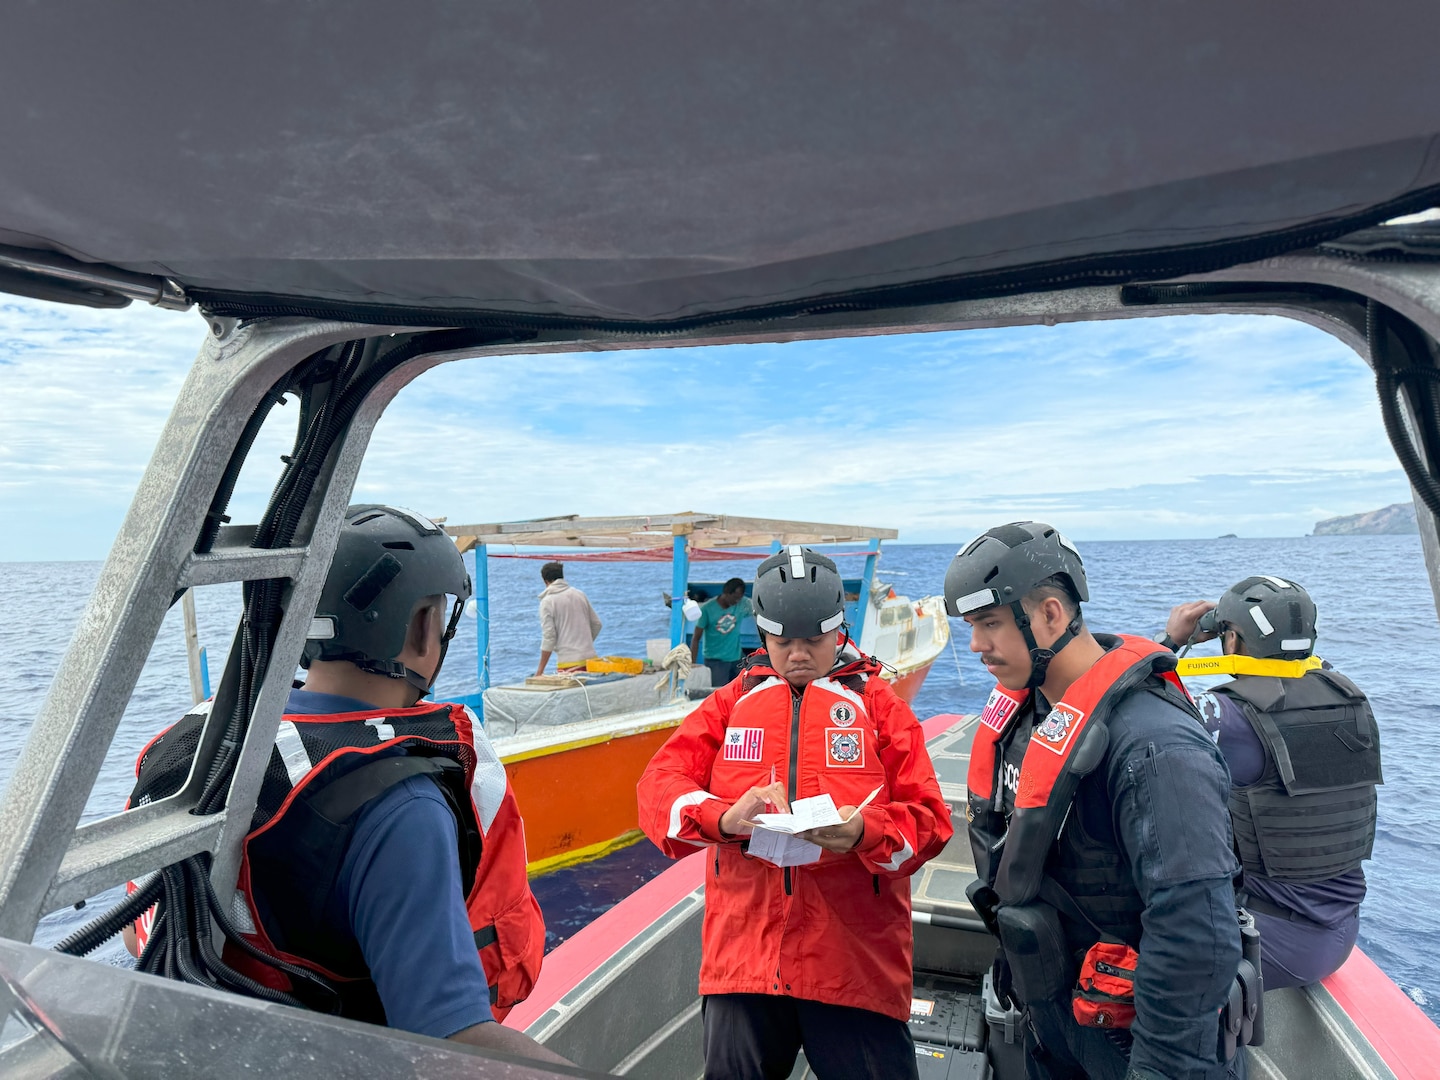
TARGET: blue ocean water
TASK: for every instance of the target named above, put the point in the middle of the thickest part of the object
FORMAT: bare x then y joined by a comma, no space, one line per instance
1377,624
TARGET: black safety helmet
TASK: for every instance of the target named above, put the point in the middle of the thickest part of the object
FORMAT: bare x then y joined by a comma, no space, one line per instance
1274,617
386,561
1003,565
798,594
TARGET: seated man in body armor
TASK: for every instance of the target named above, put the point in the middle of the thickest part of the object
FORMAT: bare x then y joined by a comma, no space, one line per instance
1304,757
386,853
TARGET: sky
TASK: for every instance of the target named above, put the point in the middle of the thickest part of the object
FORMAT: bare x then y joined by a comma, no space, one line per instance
1170,427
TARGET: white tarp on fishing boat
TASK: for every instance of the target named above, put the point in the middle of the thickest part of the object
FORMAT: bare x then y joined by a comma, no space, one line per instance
513,709
650,161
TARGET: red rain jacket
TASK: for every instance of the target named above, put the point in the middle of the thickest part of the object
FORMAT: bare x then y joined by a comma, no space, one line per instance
837,930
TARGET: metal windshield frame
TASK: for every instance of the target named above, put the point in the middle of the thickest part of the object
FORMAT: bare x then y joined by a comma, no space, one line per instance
47,863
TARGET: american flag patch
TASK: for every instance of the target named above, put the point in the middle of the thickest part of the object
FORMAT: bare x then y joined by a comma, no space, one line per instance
998,711
743,743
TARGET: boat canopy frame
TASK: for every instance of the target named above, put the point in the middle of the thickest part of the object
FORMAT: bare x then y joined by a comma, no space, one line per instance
682,536
47,863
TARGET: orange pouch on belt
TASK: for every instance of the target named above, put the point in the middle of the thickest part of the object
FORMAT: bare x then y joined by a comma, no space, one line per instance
1104,996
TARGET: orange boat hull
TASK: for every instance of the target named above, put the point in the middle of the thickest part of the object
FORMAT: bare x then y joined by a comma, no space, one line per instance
908,685
578,802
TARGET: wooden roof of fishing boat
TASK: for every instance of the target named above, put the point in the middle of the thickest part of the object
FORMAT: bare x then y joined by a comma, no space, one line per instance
659,530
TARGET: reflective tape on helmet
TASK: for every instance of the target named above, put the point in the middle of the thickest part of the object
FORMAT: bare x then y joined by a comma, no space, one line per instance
422,523
1295,644
831,623
1261,621
976,600
768,625
797,561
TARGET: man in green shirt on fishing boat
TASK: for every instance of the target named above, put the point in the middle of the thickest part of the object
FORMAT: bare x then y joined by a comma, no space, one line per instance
720,619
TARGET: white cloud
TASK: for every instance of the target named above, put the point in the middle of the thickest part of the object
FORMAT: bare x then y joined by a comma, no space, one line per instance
1157,427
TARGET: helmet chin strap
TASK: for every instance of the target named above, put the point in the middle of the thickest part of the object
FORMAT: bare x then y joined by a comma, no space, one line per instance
393,669
1040,658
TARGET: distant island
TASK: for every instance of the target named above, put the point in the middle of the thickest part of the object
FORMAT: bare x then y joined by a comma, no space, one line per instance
1396,520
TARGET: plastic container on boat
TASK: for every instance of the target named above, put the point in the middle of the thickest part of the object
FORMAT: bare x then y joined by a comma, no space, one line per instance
623,665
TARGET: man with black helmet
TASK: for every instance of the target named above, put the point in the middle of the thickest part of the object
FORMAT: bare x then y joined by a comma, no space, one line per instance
386,852
1097,819
1304,756
815,953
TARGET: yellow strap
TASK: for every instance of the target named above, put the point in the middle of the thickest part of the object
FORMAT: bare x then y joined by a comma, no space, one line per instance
1236,664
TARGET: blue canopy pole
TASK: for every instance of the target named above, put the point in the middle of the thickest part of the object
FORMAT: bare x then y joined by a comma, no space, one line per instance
481,579
866,584
679,583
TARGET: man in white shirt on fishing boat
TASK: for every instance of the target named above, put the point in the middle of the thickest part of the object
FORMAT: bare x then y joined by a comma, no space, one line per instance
568,624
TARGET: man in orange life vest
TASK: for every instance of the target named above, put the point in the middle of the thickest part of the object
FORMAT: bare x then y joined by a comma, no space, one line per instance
815,953
386,852
1098,820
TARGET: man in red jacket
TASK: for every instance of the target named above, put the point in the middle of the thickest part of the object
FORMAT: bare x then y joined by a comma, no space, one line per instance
816,953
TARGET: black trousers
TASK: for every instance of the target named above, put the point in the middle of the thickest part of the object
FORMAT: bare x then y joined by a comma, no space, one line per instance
1057,1048
722,672
757,1037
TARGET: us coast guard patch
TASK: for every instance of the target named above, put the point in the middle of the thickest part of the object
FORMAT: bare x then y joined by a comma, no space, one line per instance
998,711
1055,730
842,714
844,749
743,744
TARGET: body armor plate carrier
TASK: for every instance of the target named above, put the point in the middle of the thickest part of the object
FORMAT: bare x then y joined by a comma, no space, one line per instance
1311,815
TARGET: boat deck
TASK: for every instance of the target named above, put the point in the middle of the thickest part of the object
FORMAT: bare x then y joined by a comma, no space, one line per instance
619,998
620,995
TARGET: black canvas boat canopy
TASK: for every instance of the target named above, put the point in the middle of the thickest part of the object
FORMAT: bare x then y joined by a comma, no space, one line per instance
637,164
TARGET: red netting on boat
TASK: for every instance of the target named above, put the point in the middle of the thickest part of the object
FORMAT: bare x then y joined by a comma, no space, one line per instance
659,554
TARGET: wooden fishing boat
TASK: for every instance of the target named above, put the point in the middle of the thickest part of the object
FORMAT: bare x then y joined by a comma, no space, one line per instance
565,736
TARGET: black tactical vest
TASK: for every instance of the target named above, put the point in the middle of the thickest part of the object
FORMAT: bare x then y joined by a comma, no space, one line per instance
1086,860
1311,815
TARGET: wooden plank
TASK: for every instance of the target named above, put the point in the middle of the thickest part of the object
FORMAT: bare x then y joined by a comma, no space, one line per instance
655,530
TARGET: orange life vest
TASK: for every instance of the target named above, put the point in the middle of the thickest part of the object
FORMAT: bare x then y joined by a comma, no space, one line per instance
1065,746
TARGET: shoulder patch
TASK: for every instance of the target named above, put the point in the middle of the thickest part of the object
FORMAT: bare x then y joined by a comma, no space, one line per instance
743,744
1057,729
998,711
